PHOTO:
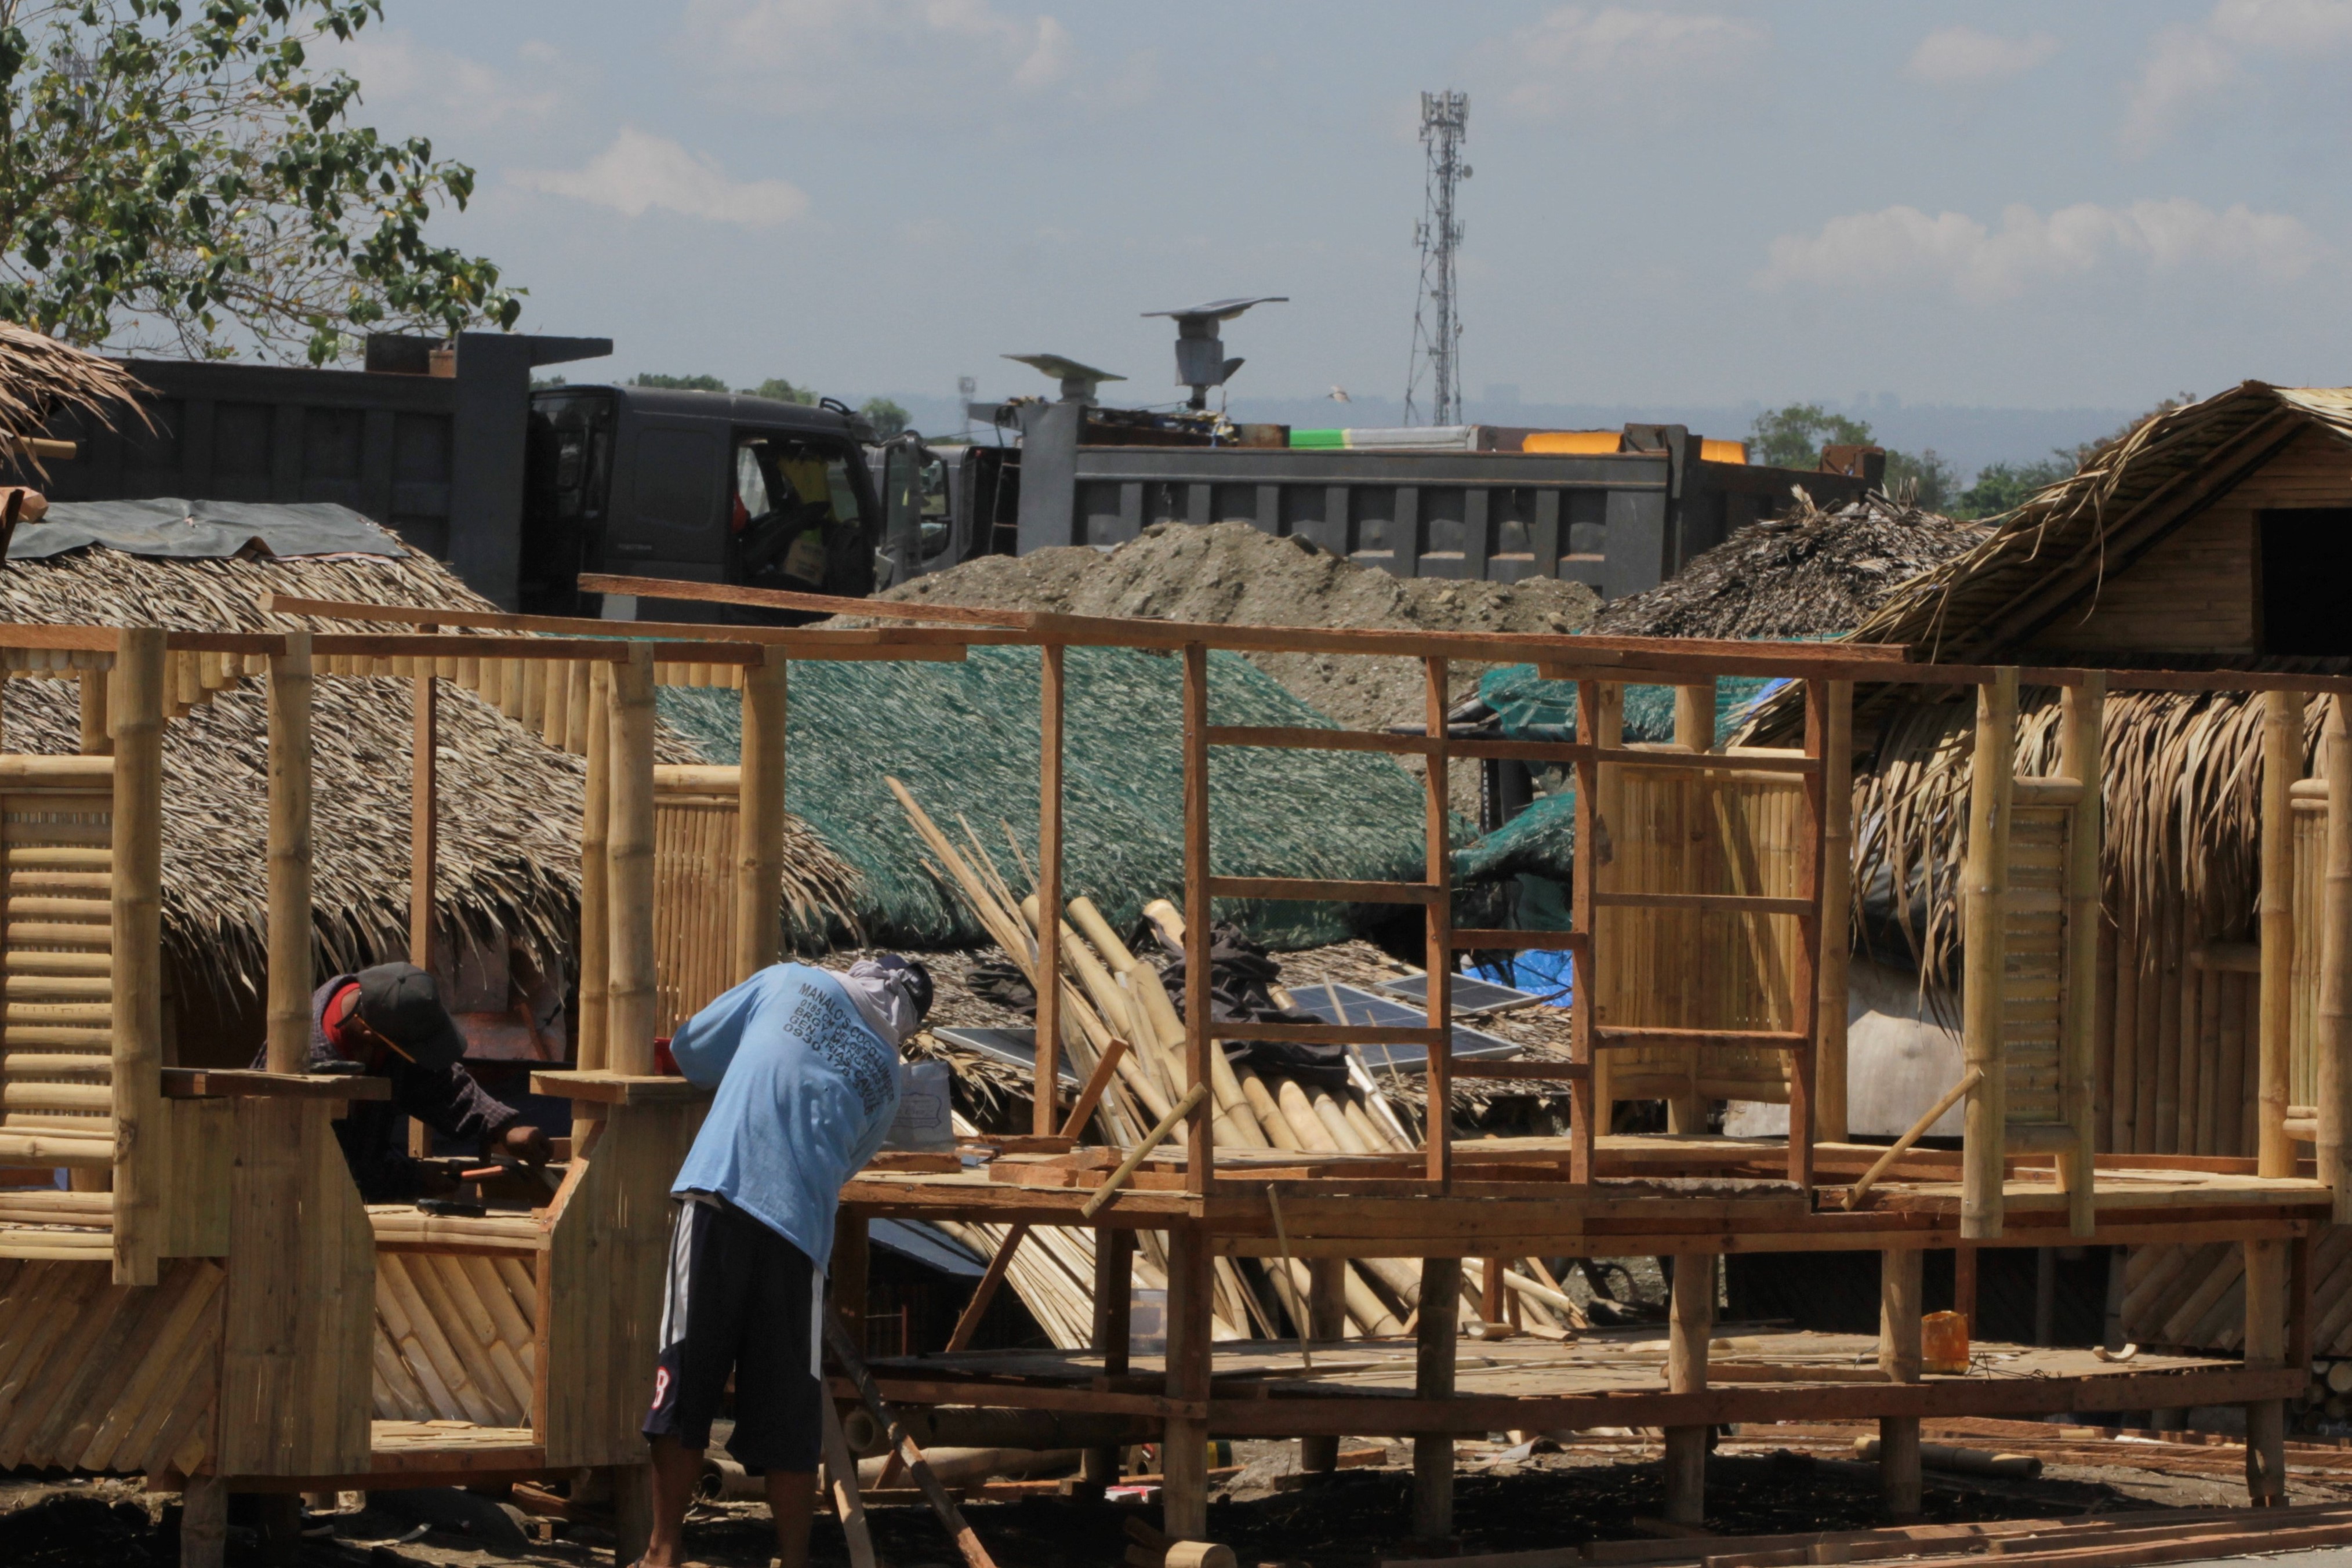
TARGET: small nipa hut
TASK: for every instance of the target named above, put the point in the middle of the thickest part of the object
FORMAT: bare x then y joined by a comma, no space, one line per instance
508,885
2214,535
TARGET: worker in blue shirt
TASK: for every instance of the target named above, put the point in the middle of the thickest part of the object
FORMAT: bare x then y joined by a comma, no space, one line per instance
805,1064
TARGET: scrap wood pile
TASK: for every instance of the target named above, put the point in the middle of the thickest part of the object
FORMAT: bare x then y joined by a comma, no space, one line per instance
1109,995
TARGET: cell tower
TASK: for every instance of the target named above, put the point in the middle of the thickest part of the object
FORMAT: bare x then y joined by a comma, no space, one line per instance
1436,314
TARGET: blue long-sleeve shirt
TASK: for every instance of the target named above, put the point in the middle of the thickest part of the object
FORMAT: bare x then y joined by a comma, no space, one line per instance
807,1092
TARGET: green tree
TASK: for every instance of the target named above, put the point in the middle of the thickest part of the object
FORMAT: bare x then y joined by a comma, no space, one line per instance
778,389
680,383
180,171
2003,487
888,418
1925,479
1794,436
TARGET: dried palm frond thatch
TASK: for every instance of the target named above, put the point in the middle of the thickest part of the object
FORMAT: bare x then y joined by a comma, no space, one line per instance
1806,574
41,377
510,806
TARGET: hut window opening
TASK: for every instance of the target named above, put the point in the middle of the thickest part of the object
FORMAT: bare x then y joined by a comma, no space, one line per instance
2306,556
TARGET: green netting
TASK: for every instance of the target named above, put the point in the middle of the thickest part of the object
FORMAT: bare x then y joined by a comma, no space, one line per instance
1541,839
963,738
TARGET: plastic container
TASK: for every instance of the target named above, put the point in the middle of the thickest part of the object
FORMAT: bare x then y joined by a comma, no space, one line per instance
1944,1342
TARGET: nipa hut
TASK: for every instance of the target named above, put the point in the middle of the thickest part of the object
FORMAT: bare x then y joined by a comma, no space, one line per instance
508,885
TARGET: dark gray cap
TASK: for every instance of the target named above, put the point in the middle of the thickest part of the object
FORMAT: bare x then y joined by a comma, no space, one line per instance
400,1002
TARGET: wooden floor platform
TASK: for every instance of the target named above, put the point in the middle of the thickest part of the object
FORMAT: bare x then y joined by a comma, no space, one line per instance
1650,1195
405,1454
1604,1378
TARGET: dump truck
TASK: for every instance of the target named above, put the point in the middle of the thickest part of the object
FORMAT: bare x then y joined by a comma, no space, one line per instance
1620,509
518,488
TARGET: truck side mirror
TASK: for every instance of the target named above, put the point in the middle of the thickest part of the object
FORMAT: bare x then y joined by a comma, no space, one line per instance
901,554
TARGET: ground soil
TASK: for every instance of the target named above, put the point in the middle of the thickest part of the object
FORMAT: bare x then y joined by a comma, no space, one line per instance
1231,573
1597,1489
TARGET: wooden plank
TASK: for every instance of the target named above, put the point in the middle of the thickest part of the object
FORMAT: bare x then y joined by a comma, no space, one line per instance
2082,743
1984,891
631,998
2281,766
606,1087
288,1003
423,831
1200,1153
1712,903
1623,1037
760,820
596,907
136,937
1047,978
1437,961
1830,1113
207,1083
1300,739
1303,890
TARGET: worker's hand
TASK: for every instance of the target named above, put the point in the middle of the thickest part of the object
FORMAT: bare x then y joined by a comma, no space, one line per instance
433,1181
528,1144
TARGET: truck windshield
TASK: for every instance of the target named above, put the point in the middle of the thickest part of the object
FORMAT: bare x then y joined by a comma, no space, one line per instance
795,521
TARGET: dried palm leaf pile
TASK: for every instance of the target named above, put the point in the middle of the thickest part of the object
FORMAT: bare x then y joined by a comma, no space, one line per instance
510,806
41,378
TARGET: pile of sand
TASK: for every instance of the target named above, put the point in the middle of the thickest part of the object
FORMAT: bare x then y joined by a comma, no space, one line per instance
1231,573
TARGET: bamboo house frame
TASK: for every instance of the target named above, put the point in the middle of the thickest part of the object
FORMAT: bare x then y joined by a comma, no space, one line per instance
231,1235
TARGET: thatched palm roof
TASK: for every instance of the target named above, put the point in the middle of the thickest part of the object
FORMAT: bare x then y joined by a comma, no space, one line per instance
1806,574
510,806
41,377
2056,548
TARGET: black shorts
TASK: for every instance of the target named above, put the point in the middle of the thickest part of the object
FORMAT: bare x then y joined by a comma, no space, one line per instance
740,1300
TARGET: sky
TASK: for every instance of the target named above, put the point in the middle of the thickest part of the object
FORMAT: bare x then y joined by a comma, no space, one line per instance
2077,209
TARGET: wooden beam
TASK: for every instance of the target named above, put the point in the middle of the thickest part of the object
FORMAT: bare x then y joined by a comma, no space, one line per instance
1199,1154
136,705
596,907
1984,897
1184,1449
1830,1068
97,740
1437,857
759,819
287,1026
631,1001
2281,766
1690,1319
1901,1306
2265,1347
2332,1044
2082,741
424,830
1113,1324
1045,1075
1436,1337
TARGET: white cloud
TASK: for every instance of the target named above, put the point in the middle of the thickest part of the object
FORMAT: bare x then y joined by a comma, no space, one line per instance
1963,57
2190,67
1903,247
641,172
444,91
1574,58
896,57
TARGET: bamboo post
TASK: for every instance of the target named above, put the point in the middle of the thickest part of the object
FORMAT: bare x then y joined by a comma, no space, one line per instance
1588,1109
1804,966
424,764
2082,730
1184,1451
1437,1131
760,818
1984,905
1900,1305
1114,1306
1694,732
2282,765
1197,1043
1326,1321
288,1010
2333,1048
96,740
1830,1112
136,705
2266,1289
595,911
1046,1072
1690,1319
1435,1338
631,1000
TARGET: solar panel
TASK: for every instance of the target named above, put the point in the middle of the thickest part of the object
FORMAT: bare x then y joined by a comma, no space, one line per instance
1336,1004
1014,1048
1469,996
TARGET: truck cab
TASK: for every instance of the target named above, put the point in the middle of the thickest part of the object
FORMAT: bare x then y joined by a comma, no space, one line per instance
703,486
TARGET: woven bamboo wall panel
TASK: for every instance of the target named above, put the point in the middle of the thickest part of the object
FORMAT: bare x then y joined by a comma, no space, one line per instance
2033,968
455,1338
56,1034
2194,1298
694,900
106,1377
1672,831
